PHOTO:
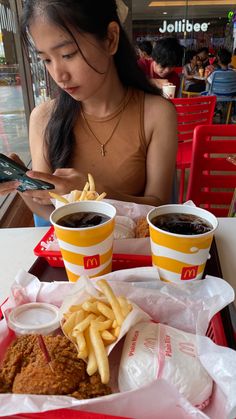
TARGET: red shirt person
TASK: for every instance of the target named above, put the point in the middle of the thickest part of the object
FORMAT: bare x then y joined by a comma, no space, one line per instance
167,54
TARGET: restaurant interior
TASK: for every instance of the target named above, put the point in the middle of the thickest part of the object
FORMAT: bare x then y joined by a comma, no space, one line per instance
205,174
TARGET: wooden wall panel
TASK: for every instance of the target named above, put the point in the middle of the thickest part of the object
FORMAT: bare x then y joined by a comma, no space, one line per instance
17,215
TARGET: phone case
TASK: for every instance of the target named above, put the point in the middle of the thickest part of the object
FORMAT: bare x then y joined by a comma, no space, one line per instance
10,170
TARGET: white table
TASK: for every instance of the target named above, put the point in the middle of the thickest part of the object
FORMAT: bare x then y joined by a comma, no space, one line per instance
17,244
16,252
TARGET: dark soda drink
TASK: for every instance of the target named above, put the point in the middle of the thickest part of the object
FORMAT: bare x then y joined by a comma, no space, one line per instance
184,224
82,219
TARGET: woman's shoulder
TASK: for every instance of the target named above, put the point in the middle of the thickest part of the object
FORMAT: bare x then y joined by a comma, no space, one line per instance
42,112
158,105
159,115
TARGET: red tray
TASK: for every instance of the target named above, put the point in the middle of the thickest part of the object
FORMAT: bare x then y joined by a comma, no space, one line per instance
53,257
64,414
44,271
120,261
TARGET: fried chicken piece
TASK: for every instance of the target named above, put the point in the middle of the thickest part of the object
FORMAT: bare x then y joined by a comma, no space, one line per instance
91,388
142,228
18,355
25,369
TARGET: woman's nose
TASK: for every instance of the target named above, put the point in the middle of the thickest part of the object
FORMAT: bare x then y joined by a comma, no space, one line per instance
60,74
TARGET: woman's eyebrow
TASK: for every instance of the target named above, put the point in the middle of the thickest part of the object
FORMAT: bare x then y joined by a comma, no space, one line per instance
62,44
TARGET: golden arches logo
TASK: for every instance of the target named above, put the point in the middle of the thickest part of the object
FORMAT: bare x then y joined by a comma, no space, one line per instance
189,272
91,262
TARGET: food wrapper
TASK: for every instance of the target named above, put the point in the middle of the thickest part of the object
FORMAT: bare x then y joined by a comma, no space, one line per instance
188,307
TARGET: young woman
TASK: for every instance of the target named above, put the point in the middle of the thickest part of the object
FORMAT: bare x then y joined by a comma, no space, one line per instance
107,119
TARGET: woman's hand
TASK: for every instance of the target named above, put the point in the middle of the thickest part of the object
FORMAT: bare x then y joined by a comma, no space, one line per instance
11,186
8,187
64,181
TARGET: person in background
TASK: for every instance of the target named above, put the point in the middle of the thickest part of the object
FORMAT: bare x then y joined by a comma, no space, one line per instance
224,57
145,52
190,72
167,54
203,54
211,67
223,61
107,119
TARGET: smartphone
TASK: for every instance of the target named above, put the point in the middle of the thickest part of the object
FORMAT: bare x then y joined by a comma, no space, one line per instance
10,170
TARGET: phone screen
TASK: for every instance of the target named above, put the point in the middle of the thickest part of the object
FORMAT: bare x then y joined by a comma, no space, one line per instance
10,170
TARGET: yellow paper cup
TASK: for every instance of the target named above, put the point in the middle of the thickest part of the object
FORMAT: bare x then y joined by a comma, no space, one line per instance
180,257
86,251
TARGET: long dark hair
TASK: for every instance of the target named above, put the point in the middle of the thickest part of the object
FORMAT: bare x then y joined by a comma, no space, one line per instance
85,16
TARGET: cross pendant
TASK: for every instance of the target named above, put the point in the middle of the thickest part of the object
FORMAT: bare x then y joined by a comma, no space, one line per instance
103,150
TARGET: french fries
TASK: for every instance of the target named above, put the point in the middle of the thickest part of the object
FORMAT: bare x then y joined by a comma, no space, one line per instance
87,194
93,325
59,197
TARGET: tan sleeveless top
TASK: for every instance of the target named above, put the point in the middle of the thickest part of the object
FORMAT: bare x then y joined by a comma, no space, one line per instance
123,168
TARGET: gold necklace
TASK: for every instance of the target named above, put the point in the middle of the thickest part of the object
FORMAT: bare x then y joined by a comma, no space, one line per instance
103,145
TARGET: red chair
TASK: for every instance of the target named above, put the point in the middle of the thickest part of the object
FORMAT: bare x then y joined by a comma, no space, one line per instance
178,70
191,112
212,179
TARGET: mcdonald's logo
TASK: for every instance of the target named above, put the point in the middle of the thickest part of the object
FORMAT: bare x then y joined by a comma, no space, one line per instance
189,272
91,262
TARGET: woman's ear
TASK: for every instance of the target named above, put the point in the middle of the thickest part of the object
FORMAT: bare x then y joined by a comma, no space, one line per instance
113,36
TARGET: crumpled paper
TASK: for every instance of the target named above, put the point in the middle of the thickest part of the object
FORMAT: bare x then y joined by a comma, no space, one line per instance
188,307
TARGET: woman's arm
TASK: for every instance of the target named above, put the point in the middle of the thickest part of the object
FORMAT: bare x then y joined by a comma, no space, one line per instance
38,121
64,180
160,127
187,74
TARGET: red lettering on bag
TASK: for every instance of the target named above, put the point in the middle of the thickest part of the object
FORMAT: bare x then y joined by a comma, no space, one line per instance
189,272
91,262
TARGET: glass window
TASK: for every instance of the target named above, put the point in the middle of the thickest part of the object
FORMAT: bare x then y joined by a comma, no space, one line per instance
13,124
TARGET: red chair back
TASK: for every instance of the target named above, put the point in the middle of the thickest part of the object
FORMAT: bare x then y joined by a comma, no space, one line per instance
191,112
212,178
178,70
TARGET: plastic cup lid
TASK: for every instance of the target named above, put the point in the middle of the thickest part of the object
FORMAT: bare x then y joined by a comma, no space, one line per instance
34,318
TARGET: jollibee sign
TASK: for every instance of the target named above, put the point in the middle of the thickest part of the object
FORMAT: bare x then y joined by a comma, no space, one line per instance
183,26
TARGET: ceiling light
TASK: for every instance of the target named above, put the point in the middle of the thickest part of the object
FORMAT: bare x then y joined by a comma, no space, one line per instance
190,3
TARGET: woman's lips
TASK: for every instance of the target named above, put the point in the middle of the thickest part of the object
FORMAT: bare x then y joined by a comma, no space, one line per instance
71,90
